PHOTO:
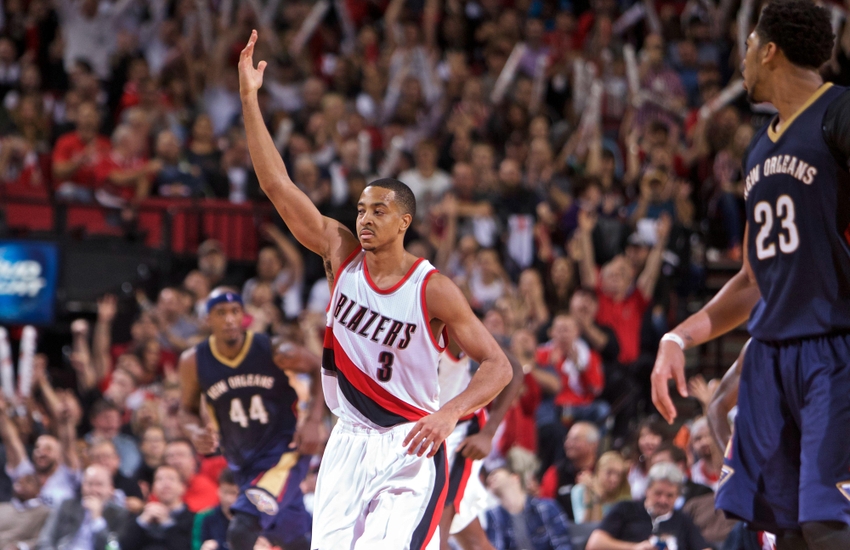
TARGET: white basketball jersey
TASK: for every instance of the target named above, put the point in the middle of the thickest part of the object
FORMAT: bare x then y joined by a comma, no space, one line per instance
455,375
380,358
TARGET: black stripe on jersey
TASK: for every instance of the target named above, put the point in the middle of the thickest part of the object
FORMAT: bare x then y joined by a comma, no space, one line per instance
328,363
364,404
458,465
434,511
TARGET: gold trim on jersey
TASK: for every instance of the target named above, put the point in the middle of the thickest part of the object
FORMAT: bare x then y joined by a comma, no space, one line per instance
236,361
774,135
274,480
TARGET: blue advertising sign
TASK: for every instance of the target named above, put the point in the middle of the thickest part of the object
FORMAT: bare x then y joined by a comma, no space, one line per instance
28,274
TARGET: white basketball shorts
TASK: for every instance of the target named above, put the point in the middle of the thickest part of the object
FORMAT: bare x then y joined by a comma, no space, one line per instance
372,495
466,492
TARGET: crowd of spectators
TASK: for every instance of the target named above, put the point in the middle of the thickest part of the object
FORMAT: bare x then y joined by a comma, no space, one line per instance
575,166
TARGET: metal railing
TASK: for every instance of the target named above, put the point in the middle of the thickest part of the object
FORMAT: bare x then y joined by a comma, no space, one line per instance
175,226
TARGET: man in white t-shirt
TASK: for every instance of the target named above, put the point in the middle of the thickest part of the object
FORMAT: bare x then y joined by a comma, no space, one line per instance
427,182
59,476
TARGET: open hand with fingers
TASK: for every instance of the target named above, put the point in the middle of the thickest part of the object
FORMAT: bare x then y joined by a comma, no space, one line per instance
250,78
476,446
670,364
429,433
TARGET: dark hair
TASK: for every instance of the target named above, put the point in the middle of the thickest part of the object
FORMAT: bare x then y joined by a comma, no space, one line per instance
800,29
185,482
677,455
659,126
103,406
584,183
654,424
184,441
589,292
226,477
403,195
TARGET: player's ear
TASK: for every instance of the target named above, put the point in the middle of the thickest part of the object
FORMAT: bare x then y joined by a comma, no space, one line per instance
406,220
769,53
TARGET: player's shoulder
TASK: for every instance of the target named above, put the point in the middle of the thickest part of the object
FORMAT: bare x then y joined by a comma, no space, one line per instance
190,355
442,295
758,136
836,125
259,339
438,285
837,112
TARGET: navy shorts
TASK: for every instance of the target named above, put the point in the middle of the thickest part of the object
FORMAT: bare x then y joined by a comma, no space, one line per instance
789,458
274,495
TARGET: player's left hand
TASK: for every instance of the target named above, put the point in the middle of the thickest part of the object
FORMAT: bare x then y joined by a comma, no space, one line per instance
310,437
476,447
429,433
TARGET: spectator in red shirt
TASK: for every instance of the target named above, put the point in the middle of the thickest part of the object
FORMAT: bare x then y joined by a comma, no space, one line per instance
125,174
201,491
580,369
77,154
623,300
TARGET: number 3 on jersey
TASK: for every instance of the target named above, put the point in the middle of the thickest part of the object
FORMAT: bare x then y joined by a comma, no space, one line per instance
385,371
789,238
256,411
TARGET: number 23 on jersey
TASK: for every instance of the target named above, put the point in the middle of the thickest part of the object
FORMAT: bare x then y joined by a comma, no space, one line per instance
789,237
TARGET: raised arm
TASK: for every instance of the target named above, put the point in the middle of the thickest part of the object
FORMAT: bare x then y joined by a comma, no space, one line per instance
287,249
587,257
40,380
727,310
66,429
107,307
448,241
81,359
649,276
446,303
15,451
324,236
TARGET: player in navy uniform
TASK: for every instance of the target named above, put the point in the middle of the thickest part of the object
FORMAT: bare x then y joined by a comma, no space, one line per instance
788,467
253,411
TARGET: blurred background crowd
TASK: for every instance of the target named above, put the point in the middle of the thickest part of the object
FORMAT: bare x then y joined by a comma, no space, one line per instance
576,165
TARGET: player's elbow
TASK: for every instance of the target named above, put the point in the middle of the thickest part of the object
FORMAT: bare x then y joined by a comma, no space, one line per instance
502,372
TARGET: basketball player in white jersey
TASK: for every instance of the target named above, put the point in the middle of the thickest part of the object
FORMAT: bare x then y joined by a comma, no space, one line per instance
469,443
383,479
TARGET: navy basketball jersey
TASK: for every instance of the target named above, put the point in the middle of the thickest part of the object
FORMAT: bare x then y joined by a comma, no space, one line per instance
798,212
250,399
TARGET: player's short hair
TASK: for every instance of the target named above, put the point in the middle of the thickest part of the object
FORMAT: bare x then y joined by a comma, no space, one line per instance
403,195
801,29
226,477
